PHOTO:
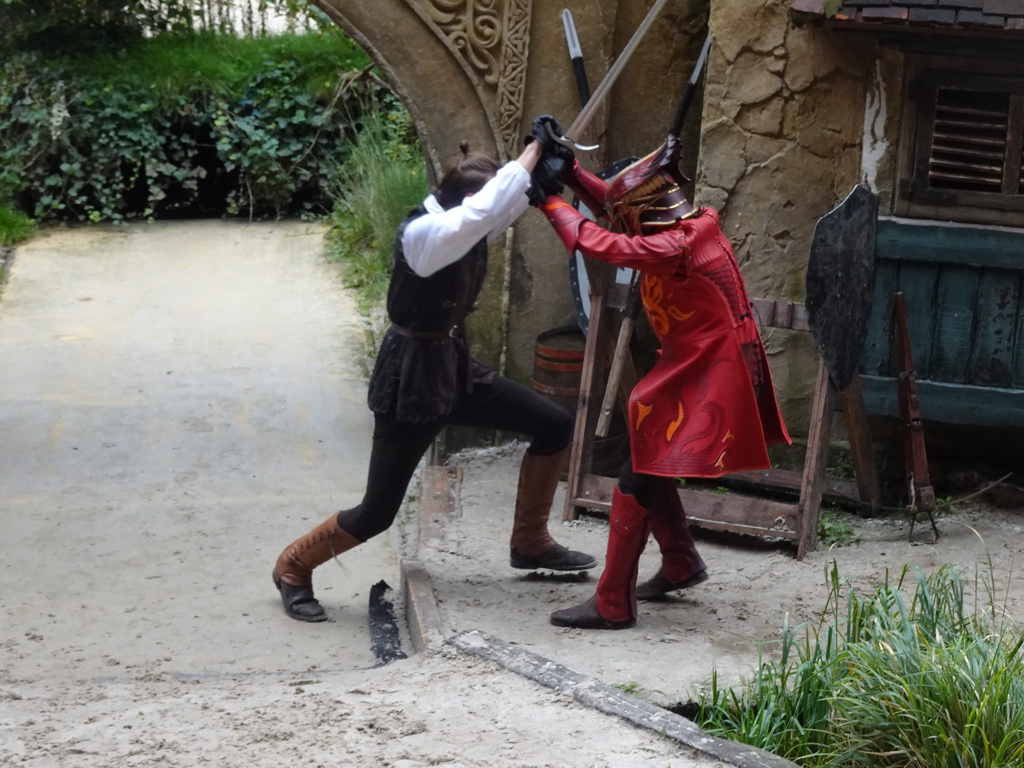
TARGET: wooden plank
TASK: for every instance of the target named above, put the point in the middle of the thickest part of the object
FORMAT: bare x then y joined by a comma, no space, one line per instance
878,338
596,493
780,314
1017,365
995,330
819,432
955,309
949,243
949,403
581,455
710,509
918,284
862,452
740,514
787,481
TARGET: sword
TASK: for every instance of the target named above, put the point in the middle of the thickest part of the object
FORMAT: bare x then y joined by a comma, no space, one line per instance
586,115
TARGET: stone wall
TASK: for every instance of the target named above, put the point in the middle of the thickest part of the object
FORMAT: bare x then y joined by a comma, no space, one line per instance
780,145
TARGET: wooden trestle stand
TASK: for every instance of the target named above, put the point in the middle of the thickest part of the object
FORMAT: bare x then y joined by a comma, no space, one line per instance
734,512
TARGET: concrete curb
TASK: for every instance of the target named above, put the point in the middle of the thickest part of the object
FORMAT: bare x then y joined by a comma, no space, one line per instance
439,502
421,611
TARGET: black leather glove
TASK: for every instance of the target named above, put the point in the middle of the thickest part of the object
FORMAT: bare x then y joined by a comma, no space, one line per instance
541,124
547,179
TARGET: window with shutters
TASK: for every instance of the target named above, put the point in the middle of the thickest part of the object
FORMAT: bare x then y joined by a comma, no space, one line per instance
965,148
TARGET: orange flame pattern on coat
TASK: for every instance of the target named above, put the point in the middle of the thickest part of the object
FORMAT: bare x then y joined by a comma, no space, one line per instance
672,427
642,411
652,293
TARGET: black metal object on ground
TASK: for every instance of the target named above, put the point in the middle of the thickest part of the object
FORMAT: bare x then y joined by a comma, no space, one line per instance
384,635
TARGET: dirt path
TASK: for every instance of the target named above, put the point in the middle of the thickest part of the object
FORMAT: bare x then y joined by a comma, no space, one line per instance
177,402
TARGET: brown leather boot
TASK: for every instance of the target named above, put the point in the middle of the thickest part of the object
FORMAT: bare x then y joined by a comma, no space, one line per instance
532,546
614,604
681,565
293,572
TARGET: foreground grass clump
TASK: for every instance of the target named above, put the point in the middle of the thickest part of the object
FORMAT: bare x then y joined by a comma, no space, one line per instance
887,680
14,226
383,178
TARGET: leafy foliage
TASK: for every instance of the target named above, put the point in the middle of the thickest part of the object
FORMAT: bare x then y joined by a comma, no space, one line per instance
231,125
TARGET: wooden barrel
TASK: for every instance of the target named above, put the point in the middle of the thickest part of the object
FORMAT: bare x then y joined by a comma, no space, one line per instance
557,371
558,365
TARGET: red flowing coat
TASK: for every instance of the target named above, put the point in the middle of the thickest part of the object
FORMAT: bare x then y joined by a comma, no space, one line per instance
708,406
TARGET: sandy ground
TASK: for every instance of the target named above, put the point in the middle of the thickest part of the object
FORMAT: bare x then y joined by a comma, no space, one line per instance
177,402
170,420
722,624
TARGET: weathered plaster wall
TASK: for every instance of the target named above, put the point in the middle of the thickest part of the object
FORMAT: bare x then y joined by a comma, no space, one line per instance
882,111
780,146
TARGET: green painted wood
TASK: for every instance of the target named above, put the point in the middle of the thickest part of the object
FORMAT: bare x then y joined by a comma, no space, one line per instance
956,306
1017,366
995,330
948,403
919,284
980,246
877,345
964,287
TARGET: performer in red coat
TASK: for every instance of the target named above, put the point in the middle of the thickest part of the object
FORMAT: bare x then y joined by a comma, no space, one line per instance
707,407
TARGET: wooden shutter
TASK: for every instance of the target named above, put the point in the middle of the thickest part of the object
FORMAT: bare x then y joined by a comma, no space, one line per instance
970,141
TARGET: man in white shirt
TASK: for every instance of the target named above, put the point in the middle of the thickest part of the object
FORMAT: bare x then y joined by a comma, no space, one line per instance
425,378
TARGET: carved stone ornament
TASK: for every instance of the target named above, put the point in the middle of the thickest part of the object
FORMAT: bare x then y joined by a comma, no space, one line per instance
491,39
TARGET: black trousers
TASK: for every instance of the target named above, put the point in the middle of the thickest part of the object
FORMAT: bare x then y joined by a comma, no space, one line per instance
398,446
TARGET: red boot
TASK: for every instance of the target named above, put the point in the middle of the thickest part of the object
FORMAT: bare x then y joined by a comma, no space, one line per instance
681,564
614,605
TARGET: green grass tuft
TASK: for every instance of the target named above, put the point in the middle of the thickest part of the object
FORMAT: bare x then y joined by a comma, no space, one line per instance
383,179
923,680
14,227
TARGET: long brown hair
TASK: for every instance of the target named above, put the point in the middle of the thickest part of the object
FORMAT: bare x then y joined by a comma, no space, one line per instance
464,174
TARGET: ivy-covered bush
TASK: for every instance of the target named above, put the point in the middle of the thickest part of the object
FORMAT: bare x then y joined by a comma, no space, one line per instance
181,124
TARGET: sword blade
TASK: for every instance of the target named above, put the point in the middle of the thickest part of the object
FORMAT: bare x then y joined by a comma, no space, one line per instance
586,115
571,38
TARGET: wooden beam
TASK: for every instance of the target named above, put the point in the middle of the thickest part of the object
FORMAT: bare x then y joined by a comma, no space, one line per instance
862,451
819,431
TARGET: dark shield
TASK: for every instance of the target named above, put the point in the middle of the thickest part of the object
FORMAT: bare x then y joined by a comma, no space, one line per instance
840,272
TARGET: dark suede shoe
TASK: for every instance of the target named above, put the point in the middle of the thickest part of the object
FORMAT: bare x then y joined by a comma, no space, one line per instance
657,587
585,616
299,602
557,558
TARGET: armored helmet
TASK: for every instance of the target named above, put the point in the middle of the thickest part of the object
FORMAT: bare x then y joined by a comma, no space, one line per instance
646,196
